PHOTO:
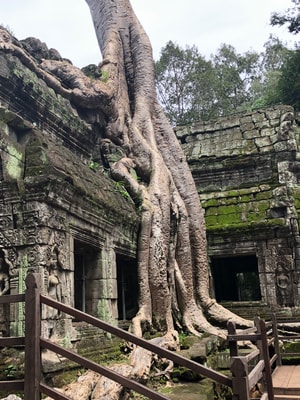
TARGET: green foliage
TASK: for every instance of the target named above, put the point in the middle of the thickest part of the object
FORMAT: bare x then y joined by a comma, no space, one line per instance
289,82
182,79
10,371
94,165
104,76
120,188
191,88
264,90
183,342
94,72
291,18
235,73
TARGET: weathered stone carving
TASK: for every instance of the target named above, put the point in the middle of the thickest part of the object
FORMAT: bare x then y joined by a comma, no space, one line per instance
284,287
61,215
55,199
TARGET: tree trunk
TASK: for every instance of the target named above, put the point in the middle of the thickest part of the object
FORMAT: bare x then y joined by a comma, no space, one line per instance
172,249
173,270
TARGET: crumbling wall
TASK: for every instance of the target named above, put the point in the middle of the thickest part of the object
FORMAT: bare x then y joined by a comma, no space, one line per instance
58,205
246,168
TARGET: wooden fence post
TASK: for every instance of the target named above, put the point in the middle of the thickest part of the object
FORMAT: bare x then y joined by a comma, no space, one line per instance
276,340
240,381
266,358
233,346
32,337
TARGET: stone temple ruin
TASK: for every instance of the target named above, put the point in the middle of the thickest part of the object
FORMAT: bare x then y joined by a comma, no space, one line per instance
247,171
62,215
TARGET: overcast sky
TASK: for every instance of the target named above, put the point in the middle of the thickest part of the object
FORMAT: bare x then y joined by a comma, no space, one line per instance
66,25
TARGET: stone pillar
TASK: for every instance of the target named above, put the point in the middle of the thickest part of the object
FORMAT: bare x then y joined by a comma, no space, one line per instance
107,302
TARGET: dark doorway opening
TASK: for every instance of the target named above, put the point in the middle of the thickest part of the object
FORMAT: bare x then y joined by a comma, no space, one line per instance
236,278
85,259
127,288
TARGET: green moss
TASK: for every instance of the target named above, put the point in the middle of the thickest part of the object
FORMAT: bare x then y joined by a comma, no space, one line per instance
104,311
14,165
211,221
210,203
51,104
211,211
228,209
234,211
228,219
244,226
255,216
292,347
264,195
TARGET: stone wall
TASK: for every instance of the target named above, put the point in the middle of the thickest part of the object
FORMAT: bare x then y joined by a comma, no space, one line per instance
62,216
246,169
60,213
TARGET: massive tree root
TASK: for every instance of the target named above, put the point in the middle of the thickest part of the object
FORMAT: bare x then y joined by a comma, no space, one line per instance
173,271
172,252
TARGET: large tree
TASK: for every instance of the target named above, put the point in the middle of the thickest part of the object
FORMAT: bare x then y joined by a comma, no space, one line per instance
173,271
172,248
185,83
289,82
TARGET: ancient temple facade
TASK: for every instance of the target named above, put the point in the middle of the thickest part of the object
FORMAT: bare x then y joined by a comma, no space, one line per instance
247,172
61,214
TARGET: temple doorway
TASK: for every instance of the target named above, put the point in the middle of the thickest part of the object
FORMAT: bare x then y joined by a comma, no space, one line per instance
236,278
85,263
127,288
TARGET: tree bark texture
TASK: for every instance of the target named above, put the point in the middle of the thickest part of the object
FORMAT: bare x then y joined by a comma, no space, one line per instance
172,250
173,270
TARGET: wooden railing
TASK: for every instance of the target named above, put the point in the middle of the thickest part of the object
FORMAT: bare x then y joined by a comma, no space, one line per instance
32,384
245,378
283,334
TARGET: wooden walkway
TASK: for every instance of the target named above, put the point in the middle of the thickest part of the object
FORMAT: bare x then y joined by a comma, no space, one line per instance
283,384
286,382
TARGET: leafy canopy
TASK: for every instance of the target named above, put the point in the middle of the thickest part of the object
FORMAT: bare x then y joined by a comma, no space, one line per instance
291,17
191,88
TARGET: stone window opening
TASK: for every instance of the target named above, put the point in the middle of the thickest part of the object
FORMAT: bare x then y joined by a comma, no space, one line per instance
86,270
236,278
127,278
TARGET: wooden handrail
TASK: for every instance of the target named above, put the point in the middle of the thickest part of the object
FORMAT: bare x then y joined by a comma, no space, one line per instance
282,338
256,374
243,380
108,373
114,330
249,357
241,337
11,341
10,386
32,336
53,393
32,385
12,298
